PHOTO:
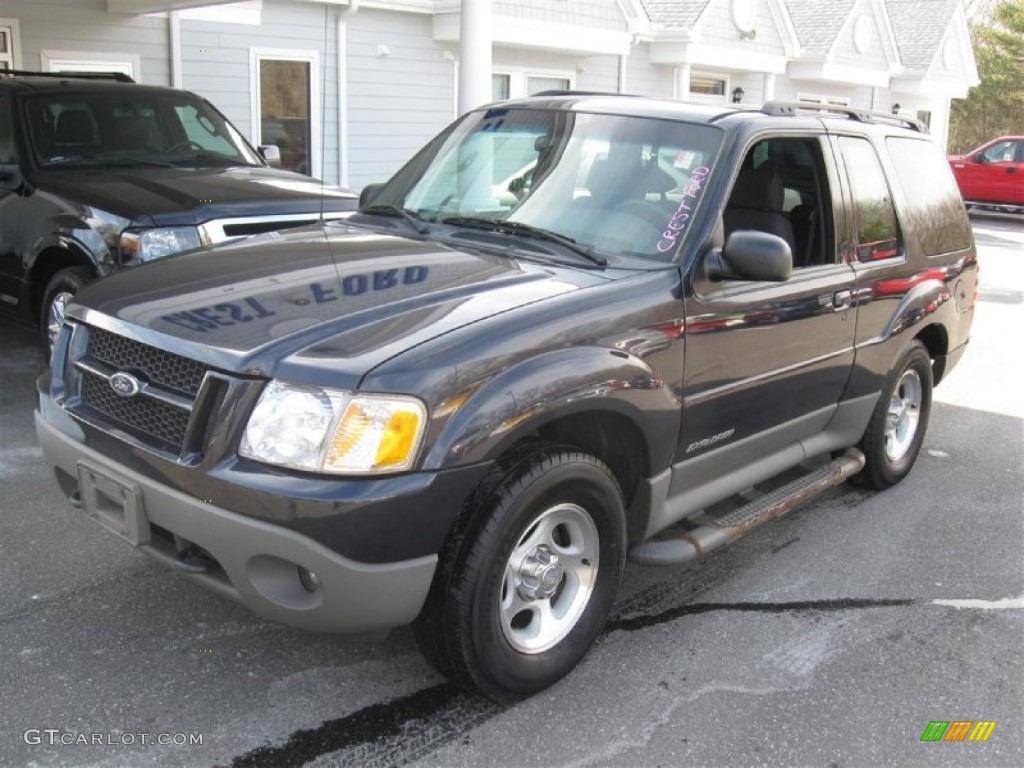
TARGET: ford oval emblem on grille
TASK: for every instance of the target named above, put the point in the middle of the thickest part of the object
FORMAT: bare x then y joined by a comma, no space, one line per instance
125,384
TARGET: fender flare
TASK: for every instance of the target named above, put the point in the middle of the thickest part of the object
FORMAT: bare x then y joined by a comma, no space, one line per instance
921,302
554,384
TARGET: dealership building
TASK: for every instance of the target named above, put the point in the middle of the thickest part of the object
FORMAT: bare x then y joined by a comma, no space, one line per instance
351,88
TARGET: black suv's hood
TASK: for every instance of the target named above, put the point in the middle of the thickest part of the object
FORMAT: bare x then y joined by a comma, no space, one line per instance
181,196
328,298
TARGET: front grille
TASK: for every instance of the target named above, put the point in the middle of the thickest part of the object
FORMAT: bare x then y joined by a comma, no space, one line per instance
158,367
166,423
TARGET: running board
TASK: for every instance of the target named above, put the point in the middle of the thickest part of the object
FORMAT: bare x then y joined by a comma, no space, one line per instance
683,546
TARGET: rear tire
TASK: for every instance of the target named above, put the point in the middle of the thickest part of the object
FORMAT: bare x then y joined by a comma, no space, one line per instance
528,576
59,291
897,428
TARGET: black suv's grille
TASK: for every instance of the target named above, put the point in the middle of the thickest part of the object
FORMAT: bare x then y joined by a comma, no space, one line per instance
157,366
166,423
168,395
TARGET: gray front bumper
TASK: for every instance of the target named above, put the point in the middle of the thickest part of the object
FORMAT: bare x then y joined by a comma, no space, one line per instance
258,562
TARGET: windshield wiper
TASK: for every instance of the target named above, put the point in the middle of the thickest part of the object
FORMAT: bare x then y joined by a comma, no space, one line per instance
519,228
100,160
413,218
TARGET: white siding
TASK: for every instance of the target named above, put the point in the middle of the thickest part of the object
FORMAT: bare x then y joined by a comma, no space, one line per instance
716,27
646,79
398,101
85,26
846,53
215,64
599,14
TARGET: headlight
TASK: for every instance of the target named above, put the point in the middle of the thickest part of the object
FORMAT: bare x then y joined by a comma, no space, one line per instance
149,244
325,430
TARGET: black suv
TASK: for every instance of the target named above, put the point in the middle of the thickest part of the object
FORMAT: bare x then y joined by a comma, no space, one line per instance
571,329
98,173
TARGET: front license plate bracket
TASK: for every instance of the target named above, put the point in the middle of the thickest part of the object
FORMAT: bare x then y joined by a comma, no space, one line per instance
114,503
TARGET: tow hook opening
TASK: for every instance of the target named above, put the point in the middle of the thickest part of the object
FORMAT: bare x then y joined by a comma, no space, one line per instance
285,583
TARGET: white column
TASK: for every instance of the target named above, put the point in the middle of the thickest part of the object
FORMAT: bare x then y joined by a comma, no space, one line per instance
474,54
682,84
174,39
768,86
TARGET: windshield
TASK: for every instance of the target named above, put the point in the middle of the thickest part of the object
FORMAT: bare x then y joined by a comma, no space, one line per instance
137,127
612,183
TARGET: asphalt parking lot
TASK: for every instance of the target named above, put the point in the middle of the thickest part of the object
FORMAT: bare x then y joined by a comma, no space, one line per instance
829,638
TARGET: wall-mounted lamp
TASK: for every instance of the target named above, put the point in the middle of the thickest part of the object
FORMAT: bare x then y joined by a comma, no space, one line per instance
895,109
737,95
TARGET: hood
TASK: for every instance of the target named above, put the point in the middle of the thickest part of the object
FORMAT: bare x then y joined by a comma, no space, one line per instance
320,303
183,196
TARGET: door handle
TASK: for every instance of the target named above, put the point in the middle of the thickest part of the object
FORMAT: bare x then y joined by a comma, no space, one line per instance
842,301
1011,169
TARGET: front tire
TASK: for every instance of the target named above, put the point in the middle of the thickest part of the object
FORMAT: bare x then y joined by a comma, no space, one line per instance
897,428
59,291
528,576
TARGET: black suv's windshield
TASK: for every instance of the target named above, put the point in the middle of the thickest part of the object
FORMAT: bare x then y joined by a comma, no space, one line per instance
612,184
131,127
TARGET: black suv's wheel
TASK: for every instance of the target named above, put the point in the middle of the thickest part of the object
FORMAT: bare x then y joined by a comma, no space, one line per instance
529,575
59,291
894,436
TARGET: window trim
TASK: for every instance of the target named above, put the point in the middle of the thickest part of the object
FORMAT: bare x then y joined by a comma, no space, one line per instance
14,32
518,78
823,99
256,55
104,61
710,98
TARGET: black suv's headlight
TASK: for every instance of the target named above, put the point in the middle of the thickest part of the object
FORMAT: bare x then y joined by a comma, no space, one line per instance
334,431
149,244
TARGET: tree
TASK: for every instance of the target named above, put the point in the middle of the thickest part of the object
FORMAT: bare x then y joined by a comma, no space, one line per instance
996,106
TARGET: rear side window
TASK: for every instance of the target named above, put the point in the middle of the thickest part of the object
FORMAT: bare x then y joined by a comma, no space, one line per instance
932,198
878,231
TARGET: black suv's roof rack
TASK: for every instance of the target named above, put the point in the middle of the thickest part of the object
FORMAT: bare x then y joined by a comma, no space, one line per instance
789,108
119,77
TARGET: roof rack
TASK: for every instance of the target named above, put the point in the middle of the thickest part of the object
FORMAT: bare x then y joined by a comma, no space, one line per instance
119,77
791,108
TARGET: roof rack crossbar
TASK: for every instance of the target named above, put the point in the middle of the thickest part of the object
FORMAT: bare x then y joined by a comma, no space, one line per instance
119,77
791,108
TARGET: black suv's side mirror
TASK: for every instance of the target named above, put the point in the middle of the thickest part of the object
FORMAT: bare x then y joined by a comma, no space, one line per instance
10,176
272,154
751,255
369,192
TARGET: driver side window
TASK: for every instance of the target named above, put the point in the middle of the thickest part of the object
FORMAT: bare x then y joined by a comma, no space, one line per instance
1002,152
782,189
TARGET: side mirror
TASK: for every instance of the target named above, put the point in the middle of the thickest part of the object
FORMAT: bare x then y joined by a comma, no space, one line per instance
980,158
10,176
751,255
272,154
369,192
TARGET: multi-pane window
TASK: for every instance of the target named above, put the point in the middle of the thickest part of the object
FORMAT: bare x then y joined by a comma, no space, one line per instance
6,48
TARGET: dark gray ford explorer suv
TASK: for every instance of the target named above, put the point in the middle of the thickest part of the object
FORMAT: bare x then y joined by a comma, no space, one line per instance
571,330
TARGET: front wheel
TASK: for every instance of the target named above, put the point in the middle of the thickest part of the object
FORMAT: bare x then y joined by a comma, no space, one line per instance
529,575
897,428
58,293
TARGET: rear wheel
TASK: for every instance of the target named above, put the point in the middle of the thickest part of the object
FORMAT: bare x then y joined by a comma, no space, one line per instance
529,575
59,291
896,432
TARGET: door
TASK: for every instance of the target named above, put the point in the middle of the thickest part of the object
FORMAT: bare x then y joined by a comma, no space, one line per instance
769,361
10,207
286,109
995,174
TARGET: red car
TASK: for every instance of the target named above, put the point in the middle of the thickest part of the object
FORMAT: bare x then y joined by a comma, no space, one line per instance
992,176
